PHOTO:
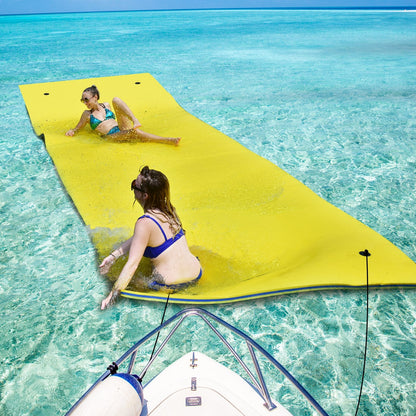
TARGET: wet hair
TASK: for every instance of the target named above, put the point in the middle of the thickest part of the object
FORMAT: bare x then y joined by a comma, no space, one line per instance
156,185
93,90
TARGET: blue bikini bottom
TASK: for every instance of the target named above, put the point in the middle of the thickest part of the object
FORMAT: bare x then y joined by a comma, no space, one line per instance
175,287
113,130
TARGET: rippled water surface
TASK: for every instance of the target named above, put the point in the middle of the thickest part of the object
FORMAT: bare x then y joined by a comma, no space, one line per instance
327,96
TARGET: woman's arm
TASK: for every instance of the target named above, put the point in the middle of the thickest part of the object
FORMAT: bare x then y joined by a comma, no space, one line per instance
112,257
81,123
138,244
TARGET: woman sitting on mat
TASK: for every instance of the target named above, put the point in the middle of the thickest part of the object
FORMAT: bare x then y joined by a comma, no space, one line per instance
158,235
121,125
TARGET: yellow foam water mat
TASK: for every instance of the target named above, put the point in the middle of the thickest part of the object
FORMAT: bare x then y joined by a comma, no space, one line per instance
256,230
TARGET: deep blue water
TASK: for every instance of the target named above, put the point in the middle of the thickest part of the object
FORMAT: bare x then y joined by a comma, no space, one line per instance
326,95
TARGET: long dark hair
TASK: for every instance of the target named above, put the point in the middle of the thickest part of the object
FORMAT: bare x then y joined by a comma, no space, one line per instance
93,90
156,185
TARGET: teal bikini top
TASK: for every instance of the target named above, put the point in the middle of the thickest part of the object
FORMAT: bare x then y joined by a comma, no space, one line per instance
95,122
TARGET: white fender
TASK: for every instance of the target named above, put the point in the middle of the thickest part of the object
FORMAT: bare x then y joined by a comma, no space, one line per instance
118,395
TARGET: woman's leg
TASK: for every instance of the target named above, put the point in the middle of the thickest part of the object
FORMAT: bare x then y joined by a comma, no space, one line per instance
125,117
134,135
149,137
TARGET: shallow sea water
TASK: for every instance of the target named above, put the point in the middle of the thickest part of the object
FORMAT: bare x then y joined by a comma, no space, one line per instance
327,96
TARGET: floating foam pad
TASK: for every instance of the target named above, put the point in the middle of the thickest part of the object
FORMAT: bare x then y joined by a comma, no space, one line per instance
257,231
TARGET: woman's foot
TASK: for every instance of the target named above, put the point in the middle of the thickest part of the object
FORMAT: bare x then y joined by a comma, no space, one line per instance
175,140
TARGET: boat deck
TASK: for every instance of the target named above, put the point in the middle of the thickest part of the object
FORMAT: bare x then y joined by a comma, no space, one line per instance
197,385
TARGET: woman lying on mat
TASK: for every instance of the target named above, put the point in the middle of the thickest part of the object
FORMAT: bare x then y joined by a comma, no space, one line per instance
121,125
158,235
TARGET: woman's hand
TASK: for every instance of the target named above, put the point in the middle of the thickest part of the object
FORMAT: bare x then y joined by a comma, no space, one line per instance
70,132
110,299
85,118
135,247
106,264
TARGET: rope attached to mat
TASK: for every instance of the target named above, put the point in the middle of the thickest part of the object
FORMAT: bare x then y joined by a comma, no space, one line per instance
157,338
366,254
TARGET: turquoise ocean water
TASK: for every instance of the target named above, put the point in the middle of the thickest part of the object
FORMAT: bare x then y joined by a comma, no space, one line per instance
328,96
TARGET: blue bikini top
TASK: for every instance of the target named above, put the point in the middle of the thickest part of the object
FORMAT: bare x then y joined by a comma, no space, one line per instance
153,252
95,122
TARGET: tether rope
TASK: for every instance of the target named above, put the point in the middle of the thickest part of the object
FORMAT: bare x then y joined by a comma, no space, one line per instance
157,338
366,254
